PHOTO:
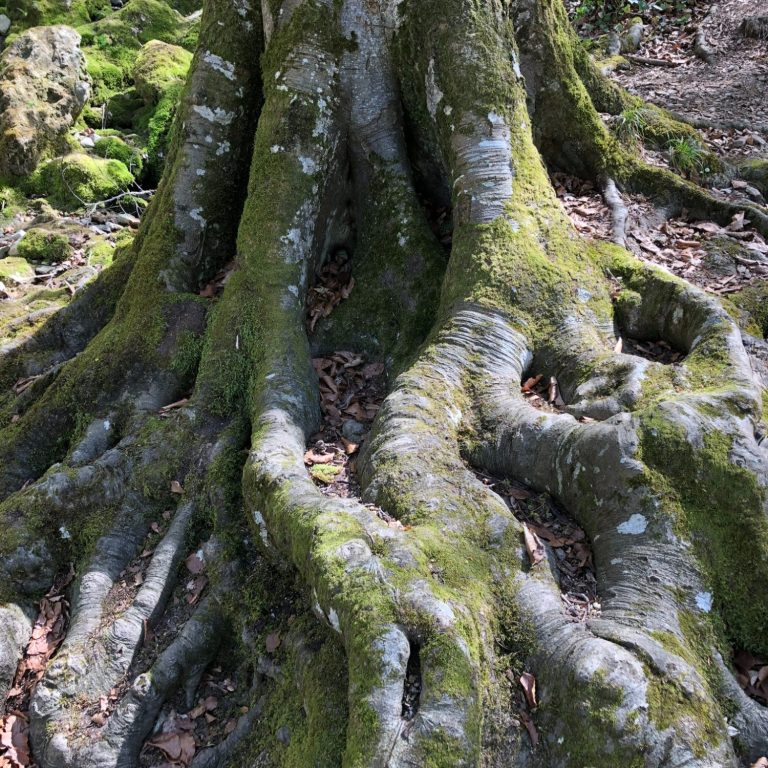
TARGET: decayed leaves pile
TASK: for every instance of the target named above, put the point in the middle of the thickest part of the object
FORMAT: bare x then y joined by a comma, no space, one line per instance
752,675
47,635
351,392
334,284
543,393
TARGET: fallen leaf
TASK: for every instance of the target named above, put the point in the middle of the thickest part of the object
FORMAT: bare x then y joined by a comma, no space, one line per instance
529,384
311,457
176,487
194,563
179,747
531,728
762,762
528,683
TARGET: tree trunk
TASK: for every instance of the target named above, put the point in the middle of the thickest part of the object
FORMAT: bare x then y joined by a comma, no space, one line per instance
360,120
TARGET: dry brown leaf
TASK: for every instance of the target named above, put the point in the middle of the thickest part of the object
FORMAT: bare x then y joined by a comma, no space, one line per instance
528,683
176,487
178,747
762,762
531,728
530,383
310,457
619,345
194,564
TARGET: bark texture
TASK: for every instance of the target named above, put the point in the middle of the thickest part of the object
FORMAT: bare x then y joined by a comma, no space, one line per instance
356,120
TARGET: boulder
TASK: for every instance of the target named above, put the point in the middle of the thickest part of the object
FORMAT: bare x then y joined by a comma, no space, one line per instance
158,67
43,88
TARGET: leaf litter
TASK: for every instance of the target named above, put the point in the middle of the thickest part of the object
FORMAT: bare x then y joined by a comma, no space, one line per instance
48,632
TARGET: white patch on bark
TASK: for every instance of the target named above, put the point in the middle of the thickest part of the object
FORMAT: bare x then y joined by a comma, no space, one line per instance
704,601
196,215
333,618
223,148
259,520
434,94
200,171
217,115
220,65
635,525
308,165
275,148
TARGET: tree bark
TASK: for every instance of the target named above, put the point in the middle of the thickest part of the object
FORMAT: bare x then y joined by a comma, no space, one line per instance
358,119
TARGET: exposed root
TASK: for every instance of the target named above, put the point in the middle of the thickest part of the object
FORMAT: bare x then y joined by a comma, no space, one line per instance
618,213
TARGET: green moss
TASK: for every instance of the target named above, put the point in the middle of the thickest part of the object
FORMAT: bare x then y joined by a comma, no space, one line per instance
587,716
719,506
690,715
14,267
114,148
37,13
159,66
48,247
76,179
753,301
100,253
325,473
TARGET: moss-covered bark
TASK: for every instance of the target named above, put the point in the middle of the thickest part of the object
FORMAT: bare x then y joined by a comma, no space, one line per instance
367,112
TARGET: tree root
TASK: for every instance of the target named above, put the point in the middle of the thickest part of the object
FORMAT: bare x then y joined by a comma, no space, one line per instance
435,601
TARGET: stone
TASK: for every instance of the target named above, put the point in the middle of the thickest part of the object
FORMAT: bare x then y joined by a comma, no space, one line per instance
283,735
5,24
159,66
353,430
45,87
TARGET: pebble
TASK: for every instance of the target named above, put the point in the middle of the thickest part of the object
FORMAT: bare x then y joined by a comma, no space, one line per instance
5,23
283,735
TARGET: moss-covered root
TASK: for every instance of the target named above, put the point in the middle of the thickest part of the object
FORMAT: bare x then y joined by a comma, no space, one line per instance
675,488
371,582
92,660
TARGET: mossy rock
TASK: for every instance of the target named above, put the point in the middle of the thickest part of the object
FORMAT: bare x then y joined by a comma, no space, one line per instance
159,66
47,247
77,179
123,109
156,124
114,148
111,45
16,270
100,253
40,13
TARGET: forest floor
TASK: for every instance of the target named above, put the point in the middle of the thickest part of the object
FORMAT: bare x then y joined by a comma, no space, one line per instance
727,100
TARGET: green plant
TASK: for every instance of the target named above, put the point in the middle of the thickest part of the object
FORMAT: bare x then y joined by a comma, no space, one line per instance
631,124
687,157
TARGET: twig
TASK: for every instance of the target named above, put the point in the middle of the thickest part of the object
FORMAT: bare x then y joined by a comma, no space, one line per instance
651,62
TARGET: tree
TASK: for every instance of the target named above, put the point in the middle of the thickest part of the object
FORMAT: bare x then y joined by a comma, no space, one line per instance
358,121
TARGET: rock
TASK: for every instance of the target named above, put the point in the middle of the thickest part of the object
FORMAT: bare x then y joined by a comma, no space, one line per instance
75,179
353,430
45,87
126,220
48,247
16,271
753,192
283,735
87,142
5,24
158,67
